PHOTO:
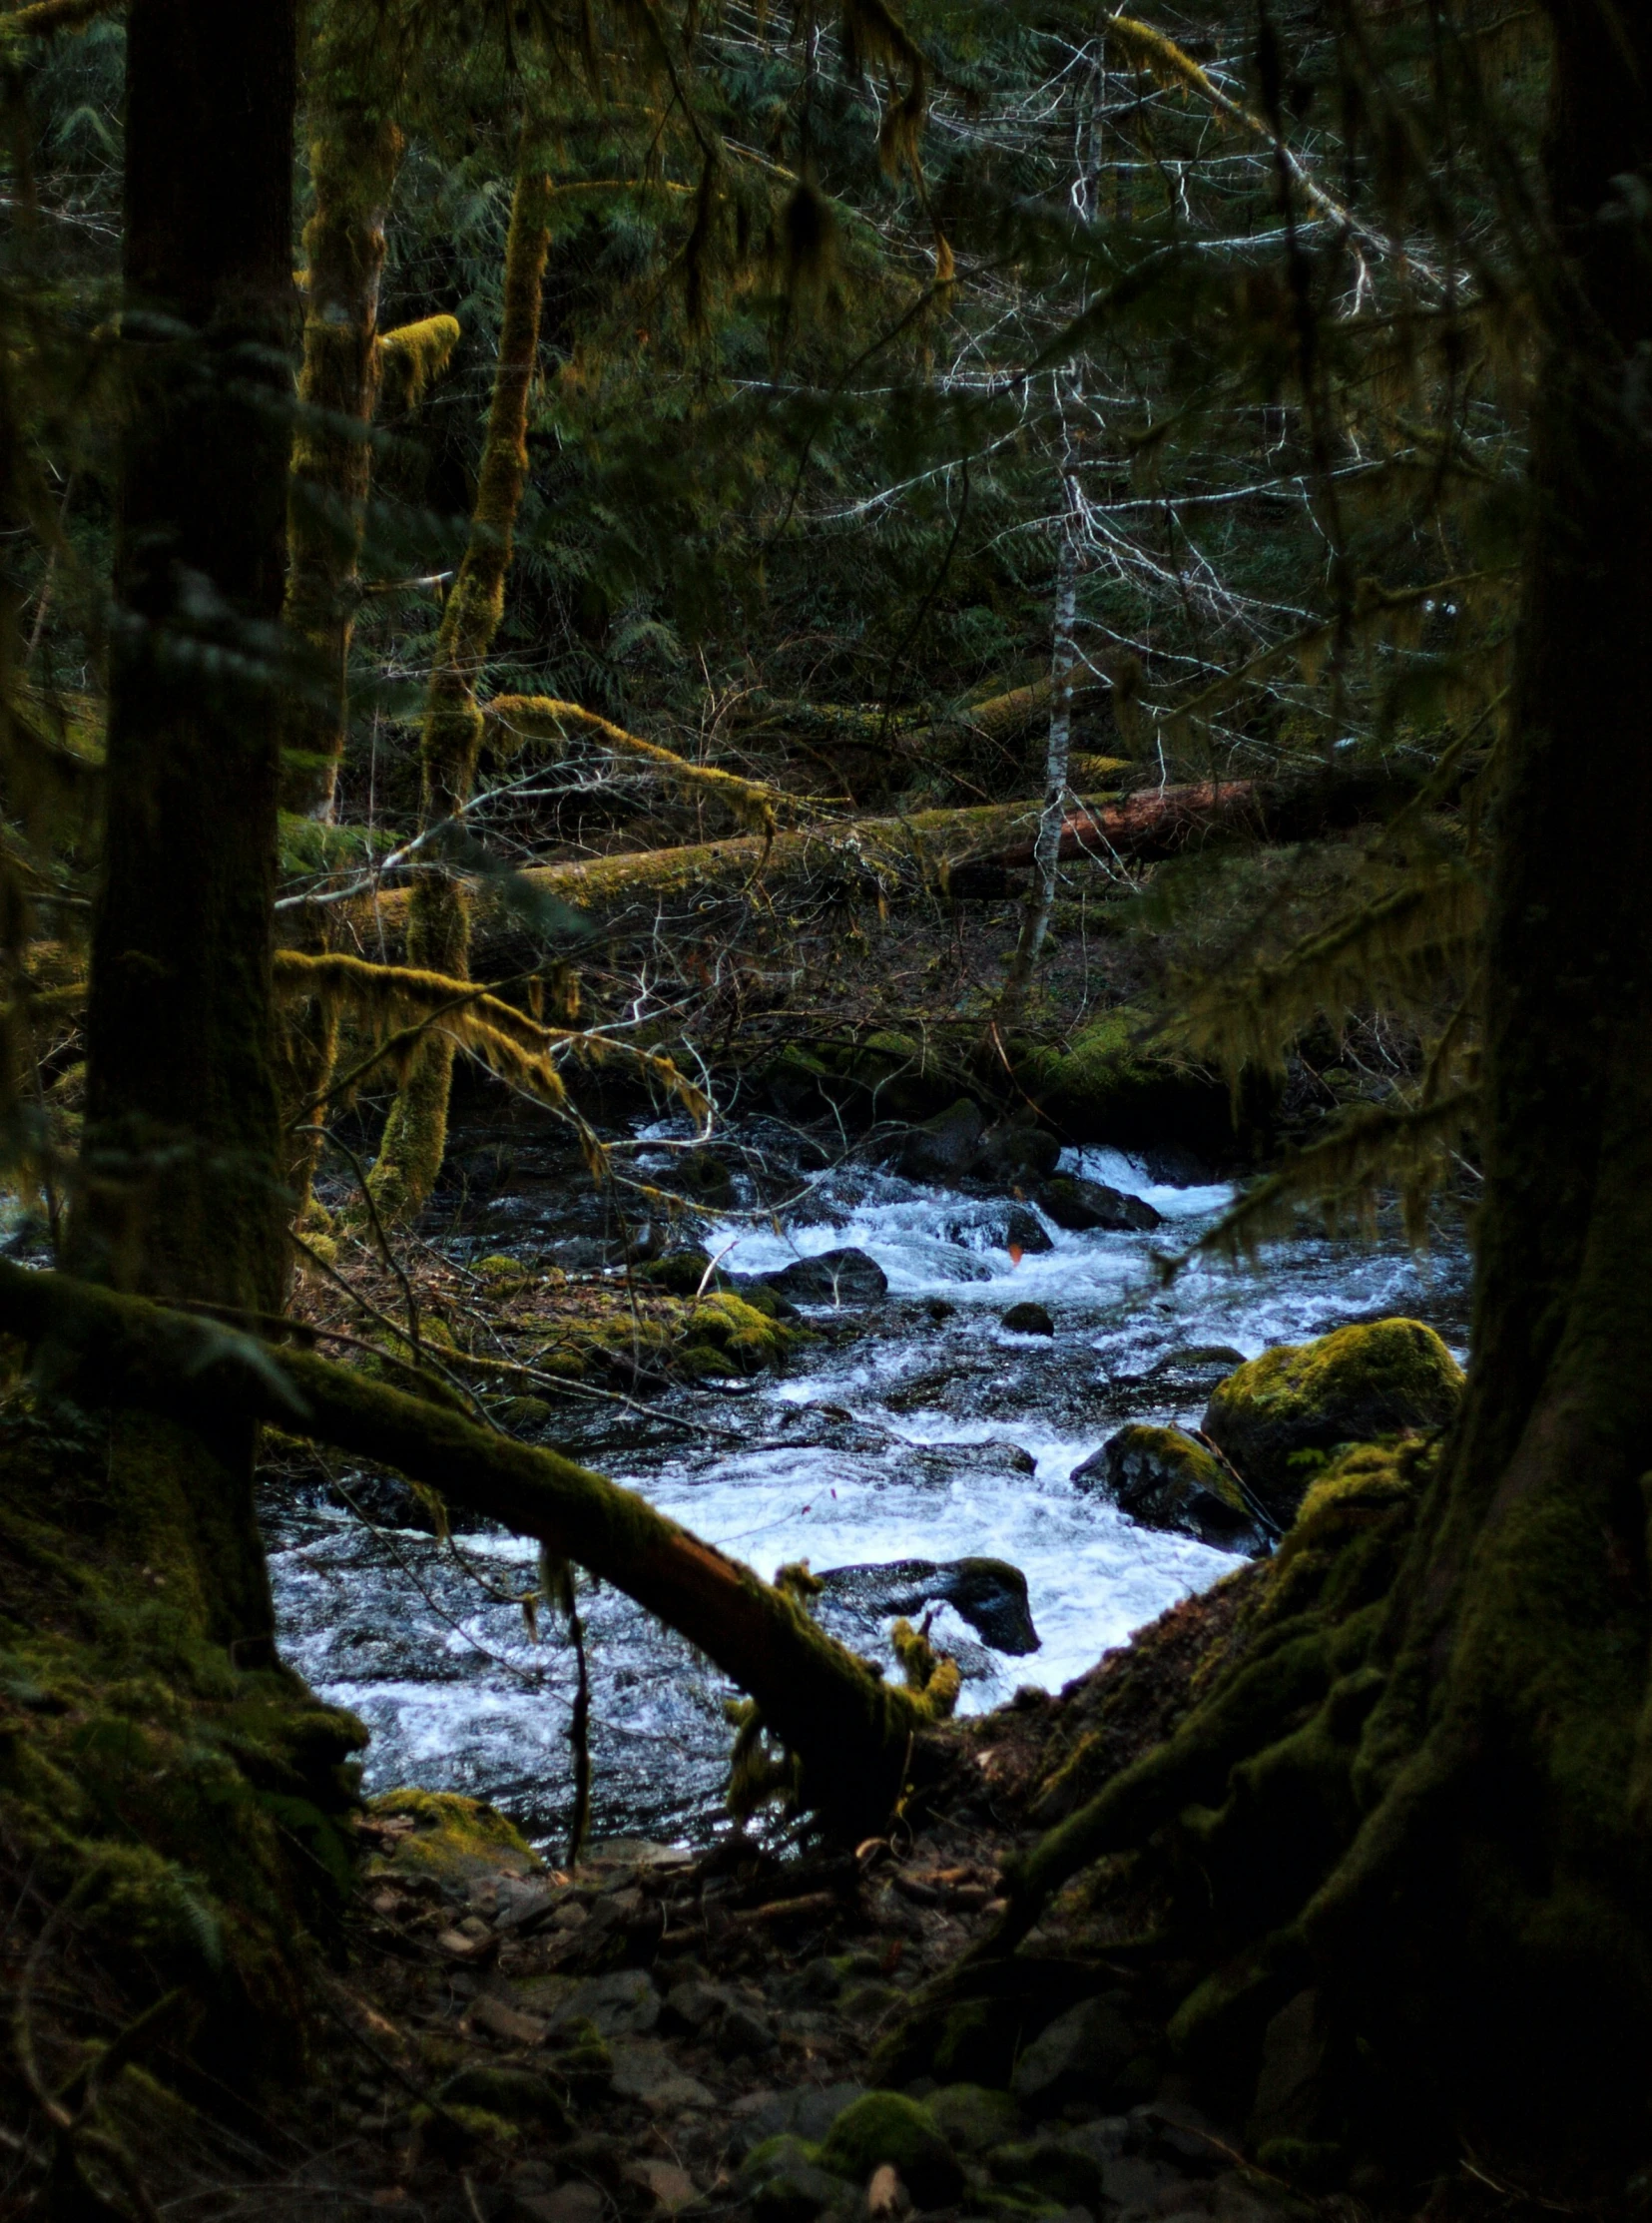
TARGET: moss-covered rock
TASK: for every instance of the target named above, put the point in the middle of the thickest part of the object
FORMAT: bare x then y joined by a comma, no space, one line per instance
785,2183
747,1338
1108,1086
971,2118
517,2095
889,2127
1279,1416
680,1272
885,1075
453,1841
1060,2173
1164,1478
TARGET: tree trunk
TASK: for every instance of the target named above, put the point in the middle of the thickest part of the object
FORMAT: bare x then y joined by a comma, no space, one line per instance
1471,1771
355,152
180,1192
1504,1869
1046,849
438,933
852,1732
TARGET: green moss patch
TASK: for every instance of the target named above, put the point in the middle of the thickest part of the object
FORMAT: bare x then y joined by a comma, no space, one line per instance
1280,1417
889,2127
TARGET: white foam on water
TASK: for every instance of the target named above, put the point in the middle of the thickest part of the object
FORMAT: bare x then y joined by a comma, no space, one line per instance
900,1487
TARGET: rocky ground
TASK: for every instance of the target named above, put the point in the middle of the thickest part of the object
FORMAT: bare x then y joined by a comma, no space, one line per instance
780,2035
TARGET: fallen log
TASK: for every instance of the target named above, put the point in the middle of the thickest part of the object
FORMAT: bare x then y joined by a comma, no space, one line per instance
852,1732
1154,823
951,851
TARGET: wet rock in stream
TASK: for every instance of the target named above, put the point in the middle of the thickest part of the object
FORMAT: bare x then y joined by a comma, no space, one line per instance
1165,1478
1085,1206
990,1594
837,1278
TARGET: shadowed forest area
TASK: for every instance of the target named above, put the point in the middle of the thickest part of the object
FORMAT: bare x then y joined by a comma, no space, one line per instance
785,785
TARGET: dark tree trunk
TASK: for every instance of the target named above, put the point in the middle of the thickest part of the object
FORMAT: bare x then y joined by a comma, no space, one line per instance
1455,1786
181,1193
1506,1872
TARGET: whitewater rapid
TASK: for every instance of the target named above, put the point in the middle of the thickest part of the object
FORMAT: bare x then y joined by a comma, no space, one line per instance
910,1440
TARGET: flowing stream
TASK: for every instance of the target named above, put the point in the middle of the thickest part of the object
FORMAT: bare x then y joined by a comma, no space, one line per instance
918,1428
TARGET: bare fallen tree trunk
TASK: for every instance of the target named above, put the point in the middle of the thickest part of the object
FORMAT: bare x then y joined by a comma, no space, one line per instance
852,1732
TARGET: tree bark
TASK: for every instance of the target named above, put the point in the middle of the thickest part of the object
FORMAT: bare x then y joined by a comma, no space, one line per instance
1046,847
1474,1779
438,936
355,152
180,1193
1505,1866
852,1732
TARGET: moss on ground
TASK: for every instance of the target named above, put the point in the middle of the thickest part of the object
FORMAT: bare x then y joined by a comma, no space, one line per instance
189,1818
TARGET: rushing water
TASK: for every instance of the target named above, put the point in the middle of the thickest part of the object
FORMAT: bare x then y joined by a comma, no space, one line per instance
923,1429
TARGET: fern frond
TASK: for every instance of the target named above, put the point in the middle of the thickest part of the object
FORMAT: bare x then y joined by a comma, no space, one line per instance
1375,1147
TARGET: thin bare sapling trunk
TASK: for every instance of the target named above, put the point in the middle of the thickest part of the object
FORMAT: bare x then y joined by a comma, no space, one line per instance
1035,915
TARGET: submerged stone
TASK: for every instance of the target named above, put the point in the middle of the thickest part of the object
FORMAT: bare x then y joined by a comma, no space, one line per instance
1162,1478
1279,1416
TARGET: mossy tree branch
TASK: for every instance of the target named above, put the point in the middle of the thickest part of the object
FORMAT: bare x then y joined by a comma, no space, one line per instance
851,1731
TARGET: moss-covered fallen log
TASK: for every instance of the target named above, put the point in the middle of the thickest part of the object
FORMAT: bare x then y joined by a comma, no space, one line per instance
939,850
852,1732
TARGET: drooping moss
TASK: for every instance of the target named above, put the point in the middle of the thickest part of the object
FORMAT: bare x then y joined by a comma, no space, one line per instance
1279,1416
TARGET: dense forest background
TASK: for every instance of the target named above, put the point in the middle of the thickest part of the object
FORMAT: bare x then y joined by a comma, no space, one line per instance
615,564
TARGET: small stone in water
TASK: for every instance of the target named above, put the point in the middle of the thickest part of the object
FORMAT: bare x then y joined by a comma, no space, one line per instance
1029,1320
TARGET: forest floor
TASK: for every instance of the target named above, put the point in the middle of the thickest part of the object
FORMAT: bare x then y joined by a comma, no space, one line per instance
655,2034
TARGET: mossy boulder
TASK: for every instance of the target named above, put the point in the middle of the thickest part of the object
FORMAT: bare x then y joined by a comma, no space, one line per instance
885,1075
943,1148
785,2183
1165,1478
1280,1417
890,2128
1112,1084
516,2095
680,1272
971,2118
453,1841
745,1338
1063,2174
